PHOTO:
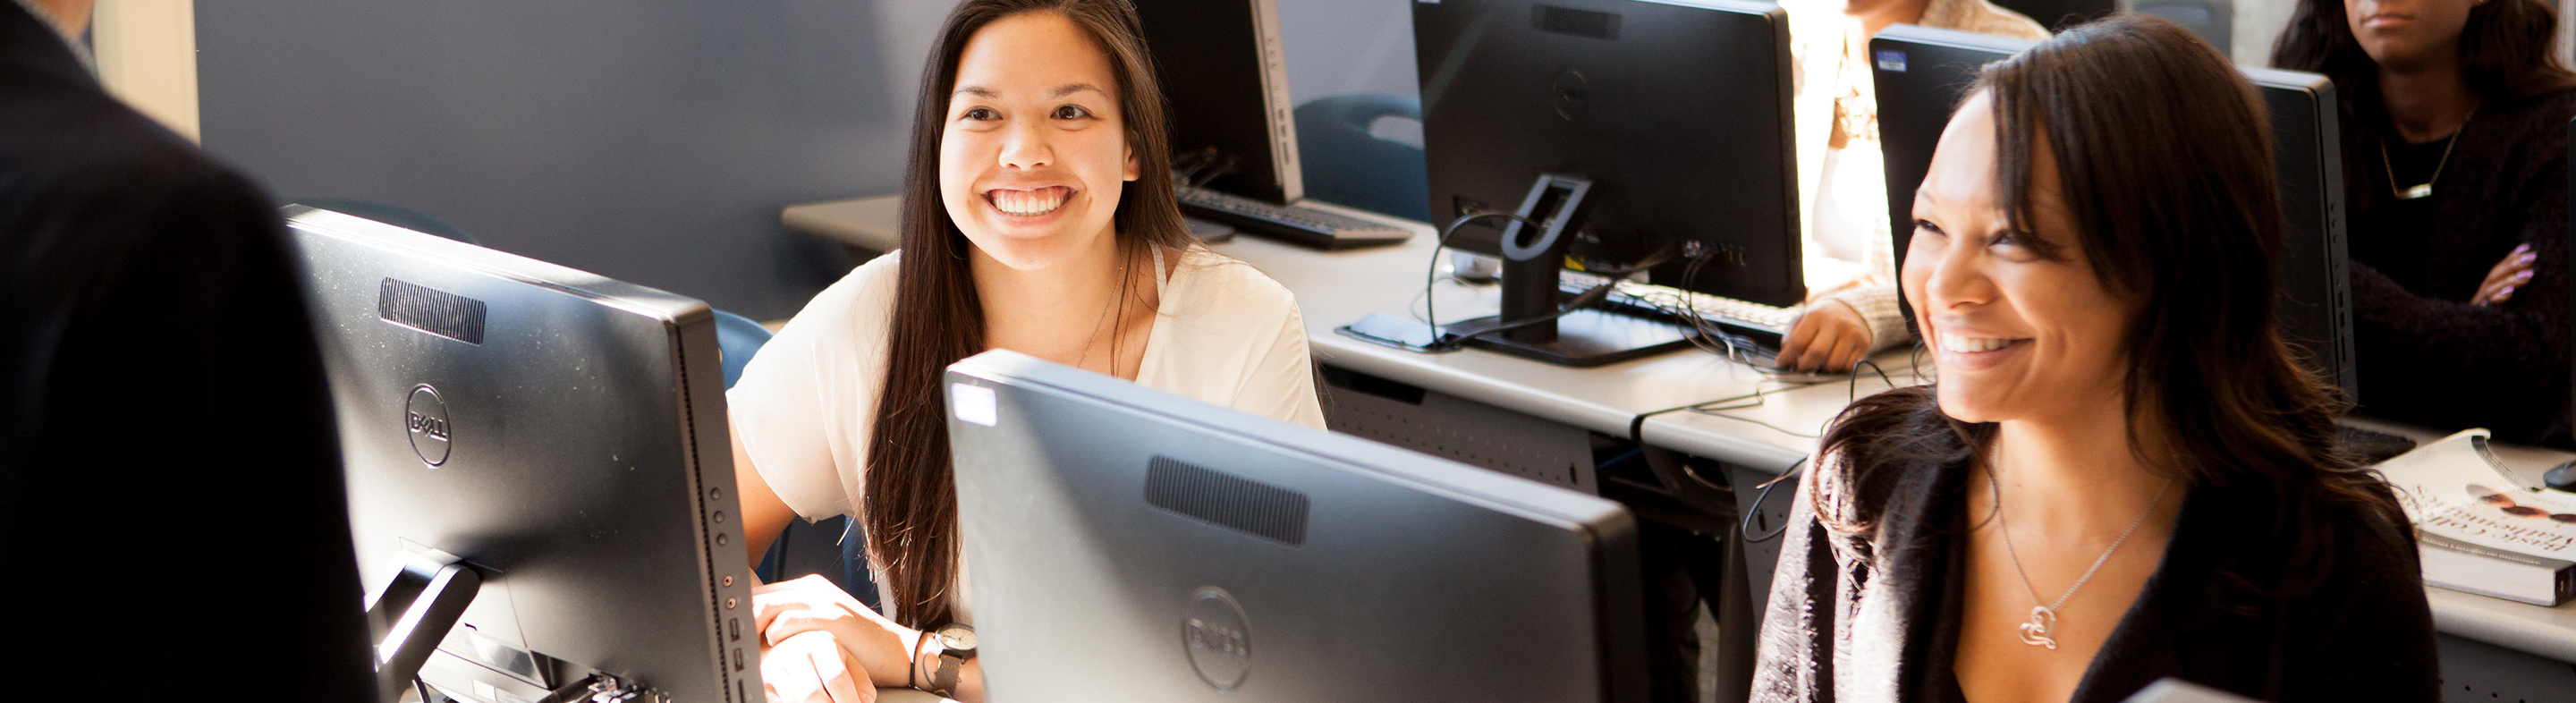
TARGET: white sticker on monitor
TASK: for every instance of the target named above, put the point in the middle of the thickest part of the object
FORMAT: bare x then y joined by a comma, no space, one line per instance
974,404
1890,60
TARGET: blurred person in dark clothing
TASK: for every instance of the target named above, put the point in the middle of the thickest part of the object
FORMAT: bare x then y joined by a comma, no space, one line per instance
172,519
2455,172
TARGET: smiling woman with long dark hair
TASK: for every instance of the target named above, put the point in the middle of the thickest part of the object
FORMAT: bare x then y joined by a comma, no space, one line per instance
1039,217
2455,175
2122,472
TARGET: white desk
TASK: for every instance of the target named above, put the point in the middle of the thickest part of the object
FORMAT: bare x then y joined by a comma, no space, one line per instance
1337,288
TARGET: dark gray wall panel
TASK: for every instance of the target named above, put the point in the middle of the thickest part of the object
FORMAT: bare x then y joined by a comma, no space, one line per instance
651,142
648,142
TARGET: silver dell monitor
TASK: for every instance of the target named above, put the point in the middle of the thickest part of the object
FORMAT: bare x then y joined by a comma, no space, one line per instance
1123,544
555,436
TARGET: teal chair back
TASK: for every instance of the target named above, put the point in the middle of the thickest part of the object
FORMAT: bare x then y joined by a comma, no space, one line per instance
737,339
1345,163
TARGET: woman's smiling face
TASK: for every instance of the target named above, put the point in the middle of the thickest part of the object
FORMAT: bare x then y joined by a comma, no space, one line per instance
1033,154
2020,325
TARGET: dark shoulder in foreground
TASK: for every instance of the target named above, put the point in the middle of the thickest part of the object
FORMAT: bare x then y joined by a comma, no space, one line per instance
67,138
86,181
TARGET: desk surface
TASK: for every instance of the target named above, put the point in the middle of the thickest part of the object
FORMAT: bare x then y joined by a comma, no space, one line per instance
1337,288
1340,287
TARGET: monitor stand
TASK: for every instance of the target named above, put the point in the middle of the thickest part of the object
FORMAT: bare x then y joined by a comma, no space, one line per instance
412,613
1532,258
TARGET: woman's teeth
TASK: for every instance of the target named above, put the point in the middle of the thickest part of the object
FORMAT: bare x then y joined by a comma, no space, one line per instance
1956,343
1027,203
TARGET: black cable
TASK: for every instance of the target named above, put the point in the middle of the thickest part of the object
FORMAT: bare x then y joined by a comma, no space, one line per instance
1431,276
1756,510
1669,250
1636,425
1853,392
1222,164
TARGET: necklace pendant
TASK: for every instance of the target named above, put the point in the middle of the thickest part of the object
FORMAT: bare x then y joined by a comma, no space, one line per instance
2036,632
2416,193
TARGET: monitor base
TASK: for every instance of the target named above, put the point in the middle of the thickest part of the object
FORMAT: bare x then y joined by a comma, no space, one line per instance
1588,338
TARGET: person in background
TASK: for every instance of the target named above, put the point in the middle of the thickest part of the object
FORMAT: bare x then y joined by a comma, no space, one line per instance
172,517
1842,195
2455,120
2123,472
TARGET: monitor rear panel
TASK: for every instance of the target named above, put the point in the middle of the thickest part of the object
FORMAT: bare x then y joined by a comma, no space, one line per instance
1126,545
2316,270
1678,113
562,432
1226,78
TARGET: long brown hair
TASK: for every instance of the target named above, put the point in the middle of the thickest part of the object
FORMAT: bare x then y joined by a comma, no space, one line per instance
910,508
2507,50
2166,165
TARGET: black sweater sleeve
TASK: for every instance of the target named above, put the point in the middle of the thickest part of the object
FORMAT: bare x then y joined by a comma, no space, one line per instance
2372,637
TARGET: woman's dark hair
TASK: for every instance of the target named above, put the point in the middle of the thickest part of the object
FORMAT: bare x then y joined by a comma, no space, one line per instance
2506,49
2166,166
910,506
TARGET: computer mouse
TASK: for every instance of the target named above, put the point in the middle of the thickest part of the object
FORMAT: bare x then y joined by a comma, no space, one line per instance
2561,477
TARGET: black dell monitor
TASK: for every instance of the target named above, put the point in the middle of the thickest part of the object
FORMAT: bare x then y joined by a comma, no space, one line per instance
1923,73
539,474
1627,133
1227,81
1124,544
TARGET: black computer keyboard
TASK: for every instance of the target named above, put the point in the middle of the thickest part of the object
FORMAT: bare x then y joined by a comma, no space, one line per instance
2373,446
1306,226
1763,325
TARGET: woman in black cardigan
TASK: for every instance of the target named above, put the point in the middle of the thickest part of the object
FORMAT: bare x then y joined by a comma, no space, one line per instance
2122,473
2455,176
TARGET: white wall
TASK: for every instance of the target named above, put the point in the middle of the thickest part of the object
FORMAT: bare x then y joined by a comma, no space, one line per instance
2258,22
147,56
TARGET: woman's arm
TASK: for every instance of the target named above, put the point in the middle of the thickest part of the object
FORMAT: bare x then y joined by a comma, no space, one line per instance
763,514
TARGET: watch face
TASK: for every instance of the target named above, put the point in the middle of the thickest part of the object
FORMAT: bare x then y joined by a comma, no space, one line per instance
957,637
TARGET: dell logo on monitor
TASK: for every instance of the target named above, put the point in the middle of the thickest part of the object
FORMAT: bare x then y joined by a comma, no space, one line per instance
1218,638
425,420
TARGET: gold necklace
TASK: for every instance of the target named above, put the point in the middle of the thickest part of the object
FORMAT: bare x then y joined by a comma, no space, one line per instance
2425,189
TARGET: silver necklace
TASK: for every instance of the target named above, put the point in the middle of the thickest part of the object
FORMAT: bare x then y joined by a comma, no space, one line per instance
2043,618
1102,322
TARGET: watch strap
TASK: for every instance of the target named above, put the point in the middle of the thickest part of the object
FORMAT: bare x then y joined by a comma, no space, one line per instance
943,680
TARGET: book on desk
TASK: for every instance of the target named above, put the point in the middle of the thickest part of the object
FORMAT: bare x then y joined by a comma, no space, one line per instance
2479,530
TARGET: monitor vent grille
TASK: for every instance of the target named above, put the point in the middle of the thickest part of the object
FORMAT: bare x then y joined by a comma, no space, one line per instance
1226,500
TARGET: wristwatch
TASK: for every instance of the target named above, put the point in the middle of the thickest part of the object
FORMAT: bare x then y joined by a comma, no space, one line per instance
956,643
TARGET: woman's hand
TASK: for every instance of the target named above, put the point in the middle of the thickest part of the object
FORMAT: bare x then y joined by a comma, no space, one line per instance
878,648
1831,336
811,667
2508,276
